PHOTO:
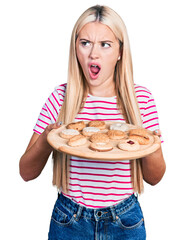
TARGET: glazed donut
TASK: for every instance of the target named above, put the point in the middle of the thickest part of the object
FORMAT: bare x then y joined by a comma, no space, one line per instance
101,147
88,131
99,137
68,133
116,134
119,126
129,145
98,124
76,125
77,140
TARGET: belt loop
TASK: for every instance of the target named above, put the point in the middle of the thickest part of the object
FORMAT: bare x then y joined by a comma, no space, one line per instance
78,214
113,212
136,195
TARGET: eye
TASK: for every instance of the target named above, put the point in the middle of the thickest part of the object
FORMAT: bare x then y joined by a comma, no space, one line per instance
85,43
105,45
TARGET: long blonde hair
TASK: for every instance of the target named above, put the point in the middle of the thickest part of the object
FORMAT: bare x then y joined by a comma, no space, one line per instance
76,91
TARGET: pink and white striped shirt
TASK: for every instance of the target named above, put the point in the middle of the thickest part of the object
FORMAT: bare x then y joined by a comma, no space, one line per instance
95,183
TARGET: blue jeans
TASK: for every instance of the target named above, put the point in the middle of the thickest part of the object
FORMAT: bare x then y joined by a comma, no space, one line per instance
71,221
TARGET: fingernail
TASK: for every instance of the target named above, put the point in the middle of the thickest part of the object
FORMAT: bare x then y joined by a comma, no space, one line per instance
59,123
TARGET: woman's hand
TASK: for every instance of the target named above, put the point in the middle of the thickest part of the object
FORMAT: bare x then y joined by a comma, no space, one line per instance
42,139
51,127
157,133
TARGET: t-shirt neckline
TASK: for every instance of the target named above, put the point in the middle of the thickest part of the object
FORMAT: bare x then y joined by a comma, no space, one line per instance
89,95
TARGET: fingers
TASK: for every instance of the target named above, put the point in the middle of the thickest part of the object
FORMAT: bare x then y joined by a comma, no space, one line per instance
157,132
54,126
47,131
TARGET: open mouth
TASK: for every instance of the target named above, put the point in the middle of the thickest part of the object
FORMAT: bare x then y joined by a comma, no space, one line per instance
94,70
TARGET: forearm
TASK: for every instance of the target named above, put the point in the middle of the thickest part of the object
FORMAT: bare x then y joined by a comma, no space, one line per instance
34,159
37,153
153,167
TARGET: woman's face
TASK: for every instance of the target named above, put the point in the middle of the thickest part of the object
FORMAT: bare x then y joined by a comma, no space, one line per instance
97,50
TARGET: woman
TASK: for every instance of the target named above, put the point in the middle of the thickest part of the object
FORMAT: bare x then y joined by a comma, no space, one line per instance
96,199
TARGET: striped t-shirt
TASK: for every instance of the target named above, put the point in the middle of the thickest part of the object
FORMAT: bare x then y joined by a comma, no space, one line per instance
95,183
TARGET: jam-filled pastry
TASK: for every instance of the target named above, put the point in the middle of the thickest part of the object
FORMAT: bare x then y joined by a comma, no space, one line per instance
129,145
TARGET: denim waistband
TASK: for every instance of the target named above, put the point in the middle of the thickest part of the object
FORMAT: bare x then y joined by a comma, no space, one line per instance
97,213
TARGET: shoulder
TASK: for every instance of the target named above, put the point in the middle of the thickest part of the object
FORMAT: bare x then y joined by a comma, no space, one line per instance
59,92
142,92
56,98
61,89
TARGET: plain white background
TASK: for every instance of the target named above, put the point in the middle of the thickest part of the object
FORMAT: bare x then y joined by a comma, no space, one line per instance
34,46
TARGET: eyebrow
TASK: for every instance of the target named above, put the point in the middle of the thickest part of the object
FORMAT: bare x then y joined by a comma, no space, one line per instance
83,39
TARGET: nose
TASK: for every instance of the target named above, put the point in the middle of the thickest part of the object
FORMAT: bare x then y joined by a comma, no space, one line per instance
94,53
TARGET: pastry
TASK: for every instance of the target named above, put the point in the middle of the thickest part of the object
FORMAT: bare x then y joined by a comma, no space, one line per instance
119,126
99,137
88,131
129,145
143,140
139,132
101,147
77,141
76,125
116,134
68,133
141,135
98,124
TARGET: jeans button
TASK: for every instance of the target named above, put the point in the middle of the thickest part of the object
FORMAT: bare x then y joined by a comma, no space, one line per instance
99,214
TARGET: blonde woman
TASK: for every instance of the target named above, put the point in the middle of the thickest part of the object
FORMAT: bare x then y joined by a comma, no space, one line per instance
96,199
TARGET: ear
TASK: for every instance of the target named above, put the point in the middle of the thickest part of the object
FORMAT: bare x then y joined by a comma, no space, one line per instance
120,54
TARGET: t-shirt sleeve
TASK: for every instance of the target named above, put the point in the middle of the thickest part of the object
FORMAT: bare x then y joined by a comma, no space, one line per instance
150,115
50,110
148,109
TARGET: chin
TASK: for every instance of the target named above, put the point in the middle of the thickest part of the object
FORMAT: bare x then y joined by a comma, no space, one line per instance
94,82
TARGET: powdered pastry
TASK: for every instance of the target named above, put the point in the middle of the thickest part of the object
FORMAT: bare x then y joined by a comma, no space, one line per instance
119,126
88,131
101,147
68,133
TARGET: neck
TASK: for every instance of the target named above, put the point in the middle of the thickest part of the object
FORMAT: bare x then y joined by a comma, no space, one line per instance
103,91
